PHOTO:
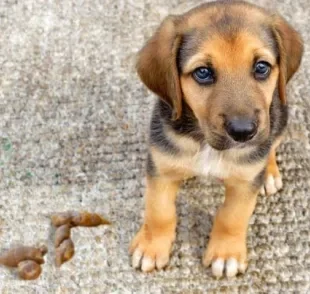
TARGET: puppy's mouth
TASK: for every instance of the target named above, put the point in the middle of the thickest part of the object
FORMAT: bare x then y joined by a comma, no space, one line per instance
224,142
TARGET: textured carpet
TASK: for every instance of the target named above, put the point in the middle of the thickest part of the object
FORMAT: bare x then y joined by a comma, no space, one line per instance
73,131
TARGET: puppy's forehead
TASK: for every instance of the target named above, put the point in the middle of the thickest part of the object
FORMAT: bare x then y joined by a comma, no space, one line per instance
223,14
226,28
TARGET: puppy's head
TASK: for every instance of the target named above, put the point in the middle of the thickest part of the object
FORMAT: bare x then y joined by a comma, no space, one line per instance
226,61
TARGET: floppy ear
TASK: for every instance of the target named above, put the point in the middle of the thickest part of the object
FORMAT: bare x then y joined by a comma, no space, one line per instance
290,48
157,64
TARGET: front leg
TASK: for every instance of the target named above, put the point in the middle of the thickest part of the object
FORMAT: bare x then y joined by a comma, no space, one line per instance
273,180
226,251
151,246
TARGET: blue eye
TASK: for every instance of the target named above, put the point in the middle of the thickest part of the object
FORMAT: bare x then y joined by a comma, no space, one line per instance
204,75
262,70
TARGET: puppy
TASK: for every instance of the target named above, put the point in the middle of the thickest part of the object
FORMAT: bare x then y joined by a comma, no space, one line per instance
220,72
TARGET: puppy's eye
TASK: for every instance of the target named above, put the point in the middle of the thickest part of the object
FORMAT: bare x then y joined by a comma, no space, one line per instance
204,75
262,70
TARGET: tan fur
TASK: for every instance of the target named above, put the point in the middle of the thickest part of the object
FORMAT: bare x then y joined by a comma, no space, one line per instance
176,168
228,236
186,144
272,166
157,233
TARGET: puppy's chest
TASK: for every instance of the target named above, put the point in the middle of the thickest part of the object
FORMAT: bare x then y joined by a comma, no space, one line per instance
210,162
224,164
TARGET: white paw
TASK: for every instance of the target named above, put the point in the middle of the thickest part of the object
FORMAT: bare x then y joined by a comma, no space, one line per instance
150,254
146,263
230,268
226,255
272,185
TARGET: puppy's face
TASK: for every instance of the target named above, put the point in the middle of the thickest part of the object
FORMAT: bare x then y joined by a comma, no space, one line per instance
228,74
226,61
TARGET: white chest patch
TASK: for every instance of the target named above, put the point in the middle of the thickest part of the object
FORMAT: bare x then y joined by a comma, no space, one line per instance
220,164
210,162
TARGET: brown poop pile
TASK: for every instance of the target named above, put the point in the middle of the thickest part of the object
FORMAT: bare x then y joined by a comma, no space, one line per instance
64,221
27,259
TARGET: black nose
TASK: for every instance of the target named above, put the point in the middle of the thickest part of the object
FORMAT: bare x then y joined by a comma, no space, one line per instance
241,129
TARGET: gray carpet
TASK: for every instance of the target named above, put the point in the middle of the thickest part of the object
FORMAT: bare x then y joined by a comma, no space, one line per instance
73,131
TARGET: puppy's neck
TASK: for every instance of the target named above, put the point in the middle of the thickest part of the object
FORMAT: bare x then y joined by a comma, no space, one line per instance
186,125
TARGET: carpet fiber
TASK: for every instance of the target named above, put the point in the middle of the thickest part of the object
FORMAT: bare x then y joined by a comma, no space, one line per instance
73,133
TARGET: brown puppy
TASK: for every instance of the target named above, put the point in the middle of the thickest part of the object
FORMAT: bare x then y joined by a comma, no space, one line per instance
220,72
